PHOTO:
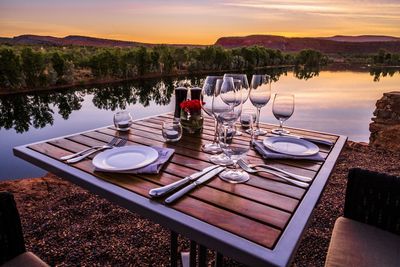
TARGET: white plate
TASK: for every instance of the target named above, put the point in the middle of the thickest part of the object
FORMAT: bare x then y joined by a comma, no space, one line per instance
291,146
125,158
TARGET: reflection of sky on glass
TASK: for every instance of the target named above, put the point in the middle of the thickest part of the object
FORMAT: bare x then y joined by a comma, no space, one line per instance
196,21
338,102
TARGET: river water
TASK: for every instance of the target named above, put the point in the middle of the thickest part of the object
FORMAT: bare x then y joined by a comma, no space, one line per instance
336,101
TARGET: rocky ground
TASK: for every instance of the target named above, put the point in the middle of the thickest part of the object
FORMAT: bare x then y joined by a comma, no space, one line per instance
67,226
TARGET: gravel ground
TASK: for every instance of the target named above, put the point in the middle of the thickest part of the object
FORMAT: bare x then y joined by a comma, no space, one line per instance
67,226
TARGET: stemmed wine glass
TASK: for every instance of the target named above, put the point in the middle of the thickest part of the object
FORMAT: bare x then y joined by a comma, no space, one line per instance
207,95
282,108
232,95
220,106
260,94
245,86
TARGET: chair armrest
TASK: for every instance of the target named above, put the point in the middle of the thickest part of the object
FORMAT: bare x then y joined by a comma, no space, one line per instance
373,198
11,238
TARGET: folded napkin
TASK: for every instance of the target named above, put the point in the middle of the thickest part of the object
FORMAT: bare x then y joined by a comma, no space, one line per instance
269,154
164,154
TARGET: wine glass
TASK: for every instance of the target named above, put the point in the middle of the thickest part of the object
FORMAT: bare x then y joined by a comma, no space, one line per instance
207,95
245,85
232,95
260,94
222,103
282,108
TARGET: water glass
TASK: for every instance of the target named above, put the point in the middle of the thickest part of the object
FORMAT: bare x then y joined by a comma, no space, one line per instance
247,118
172,131
122,120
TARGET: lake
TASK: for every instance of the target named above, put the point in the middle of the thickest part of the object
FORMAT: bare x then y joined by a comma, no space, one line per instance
336,101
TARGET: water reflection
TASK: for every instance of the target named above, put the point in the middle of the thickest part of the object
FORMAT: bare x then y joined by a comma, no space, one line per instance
22,111
377,73
306,72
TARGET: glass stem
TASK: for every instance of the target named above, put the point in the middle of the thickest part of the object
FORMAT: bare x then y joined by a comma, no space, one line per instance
281,125
258,118
225,135
216,139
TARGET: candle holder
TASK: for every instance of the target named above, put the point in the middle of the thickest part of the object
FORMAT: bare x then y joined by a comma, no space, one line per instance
172,131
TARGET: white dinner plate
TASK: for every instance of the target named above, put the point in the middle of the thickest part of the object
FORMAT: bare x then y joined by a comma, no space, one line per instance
125,158
291,146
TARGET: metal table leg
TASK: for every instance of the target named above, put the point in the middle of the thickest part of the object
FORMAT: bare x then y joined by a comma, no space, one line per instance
219,258
202,256
174,249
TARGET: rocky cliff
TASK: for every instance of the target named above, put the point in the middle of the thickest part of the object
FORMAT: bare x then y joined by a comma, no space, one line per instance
385,128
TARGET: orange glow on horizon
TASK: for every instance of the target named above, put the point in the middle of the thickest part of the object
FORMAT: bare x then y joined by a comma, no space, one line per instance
198,22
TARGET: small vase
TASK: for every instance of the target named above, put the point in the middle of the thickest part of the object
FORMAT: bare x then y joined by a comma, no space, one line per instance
192,123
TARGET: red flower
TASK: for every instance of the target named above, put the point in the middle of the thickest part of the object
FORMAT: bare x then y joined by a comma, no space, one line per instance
191,106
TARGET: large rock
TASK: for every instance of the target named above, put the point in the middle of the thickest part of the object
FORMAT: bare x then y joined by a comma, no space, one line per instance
385,128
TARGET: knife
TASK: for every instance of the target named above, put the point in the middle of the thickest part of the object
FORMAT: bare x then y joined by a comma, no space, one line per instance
161,191
193,185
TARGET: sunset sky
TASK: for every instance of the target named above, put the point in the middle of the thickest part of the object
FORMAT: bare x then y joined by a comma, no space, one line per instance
194,21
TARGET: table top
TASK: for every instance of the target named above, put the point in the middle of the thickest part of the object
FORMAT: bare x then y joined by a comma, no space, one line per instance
259,222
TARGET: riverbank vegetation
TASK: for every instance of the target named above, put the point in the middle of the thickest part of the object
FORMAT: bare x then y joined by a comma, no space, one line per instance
24,67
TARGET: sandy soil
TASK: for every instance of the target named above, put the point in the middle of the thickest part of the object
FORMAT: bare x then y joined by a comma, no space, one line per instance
67,226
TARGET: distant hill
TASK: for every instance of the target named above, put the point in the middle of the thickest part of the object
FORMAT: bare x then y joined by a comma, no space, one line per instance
322,44
361,38
29,39
331,45
69,40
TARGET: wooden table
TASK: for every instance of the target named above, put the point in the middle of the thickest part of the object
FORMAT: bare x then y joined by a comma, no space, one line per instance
258,223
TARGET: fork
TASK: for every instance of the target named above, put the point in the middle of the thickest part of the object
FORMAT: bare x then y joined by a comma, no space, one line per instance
106,146
245,167
121,143
290,174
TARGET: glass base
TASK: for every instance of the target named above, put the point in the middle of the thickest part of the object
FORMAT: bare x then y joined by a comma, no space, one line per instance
238,133
221,159
234,176
280,131
257,132
212,148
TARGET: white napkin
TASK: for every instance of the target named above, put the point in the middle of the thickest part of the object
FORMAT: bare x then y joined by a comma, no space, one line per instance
164,154
269,154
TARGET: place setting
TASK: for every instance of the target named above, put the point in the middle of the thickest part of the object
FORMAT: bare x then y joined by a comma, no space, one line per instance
223,98
116,156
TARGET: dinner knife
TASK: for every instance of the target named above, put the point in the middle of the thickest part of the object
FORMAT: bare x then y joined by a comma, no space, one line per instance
193,185
161,191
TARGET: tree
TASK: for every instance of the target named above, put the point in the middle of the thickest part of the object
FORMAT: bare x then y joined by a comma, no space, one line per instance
58,64
33,66
143,60
10,68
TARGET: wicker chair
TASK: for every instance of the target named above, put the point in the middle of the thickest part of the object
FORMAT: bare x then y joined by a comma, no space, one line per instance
12,245
369,232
